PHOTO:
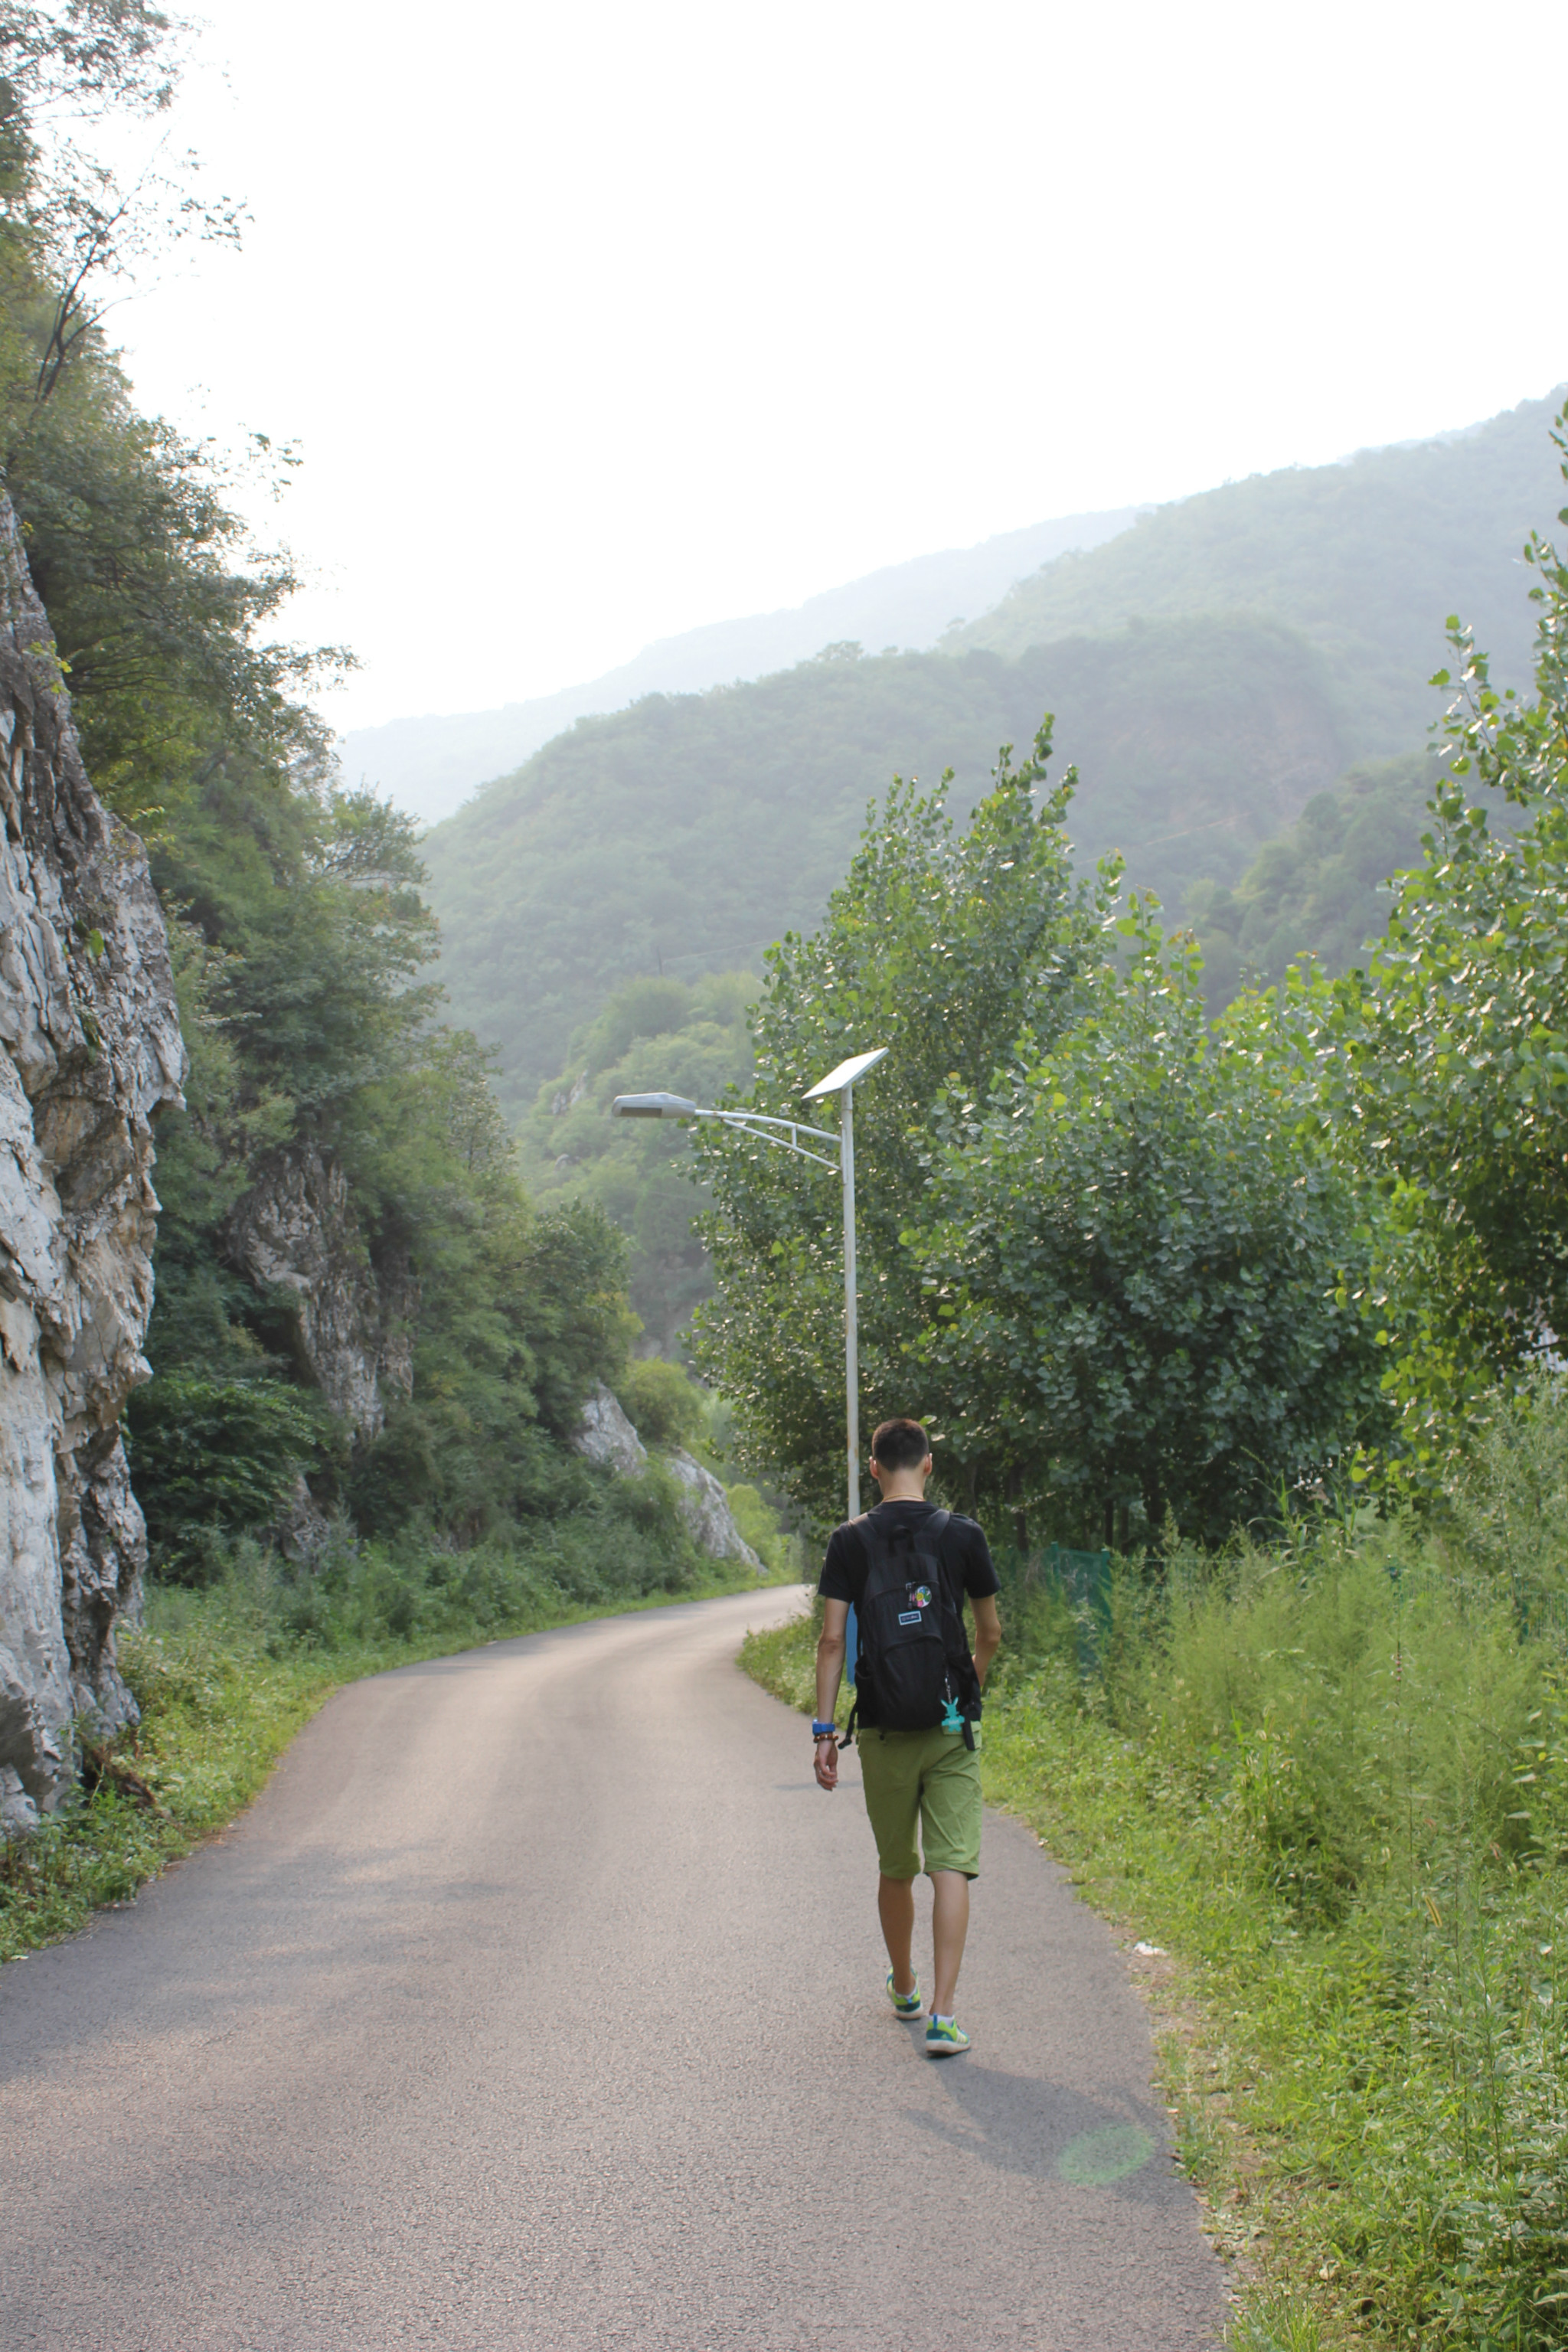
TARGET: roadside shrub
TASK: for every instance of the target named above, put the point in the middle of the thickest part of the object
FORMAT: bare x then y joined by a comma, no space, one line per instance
1506,1505
210,1453
663,1403
1331,1712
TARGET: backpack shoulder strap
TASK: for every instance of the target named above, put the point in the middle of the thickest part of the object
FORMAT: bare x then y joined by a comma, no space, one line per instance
871,1539
880,1543
952,1575
930,1535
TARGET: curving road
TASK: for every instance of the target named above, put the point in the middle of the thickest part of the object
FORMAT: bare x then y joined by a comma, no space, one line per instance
539,2002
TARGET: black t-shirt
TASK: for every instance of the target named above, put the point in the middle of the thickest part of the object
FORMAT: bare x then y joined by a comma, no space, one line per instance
965,1561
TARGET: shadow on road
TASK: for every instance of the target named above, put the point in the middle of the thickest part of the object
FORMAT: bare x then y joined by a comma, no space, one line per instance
1021,2124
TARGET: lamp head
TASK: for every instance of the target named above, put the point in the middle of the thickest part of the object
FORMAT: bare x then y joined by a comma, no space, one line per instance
652,1107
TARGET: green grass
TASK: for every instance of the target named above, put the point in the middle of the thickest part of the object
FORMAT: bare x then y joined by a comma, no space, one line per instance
224,1676
1341,1803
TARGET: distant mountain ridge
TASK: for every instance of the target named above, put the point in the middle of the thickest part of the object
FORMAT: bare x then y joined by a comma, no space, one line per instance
431,765
1282,630
1366,558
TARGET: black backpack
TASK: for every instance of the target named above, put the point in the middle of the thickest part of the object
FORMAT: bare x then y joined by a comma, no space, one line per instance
912,1651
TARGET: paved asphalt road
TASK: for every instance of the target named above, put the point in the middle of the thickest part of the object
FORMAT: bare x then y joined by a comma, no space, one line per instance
539,2002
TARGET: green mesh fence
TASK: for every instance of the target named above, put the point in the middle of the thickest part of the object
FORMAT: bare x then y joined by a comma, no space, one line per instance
1541,1615
1083,1579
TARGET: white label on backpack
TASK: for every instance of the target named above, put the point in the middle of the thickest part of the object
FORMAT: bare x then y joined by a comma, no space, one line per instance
909,1616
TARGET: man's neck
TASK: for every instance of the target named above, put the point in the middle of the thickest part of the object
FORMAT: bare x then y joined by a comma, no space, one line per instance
902,1487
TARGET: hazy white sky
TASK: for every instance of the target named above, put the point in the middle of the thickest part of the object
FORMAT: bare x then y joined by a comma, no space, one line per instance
598,320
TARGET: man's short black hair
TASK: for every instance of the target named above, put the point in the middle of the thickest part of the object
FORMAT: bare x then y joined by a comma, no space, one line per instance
900,1444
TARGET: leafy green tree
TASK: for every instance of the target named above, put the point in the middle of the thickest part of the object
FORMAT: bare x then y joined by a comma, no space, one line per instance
663,1403
157,601
314,896
522,1313
296,956
216,1454
1445,1068
1137,1270
942,945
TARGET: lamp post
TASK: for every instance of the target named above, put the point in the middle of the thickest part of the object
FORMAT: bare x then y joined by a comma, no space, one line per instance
786,1133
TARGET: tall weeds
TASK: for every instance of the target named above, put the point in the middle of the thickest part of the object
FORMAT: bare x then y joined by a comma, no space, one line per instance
1338,1783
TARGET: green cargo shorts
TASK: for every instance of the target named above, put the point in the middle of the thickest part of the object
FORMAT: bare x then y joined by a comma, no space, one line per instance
925,1778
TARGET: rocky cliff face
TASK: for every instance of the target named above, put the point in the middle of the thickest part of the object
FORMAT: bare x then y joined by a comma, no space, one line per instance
91,1049
606,1436
296,1232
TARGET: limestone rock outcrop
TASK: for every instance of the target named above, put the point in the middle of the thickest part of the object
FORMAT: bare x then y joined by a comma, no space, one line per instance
90,1050
296,1232
705,1507
607,1437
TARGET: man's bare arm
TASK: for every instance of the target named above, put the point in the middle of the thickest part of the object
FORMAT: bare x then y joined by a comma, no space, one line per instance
830,1648
987,1633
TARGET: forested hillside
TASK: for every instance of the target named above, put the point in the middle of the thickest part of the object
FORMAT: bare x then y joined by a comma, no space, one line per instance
1366,559
1287,634
1321,888
687,833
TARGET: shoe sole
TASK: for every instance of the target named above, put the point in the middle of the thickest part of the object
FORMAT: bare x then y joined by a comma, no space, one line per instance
946,2049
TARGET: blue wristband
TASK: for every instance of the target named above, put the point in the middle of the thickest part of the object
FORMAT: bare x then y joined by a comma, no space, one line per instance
824,1731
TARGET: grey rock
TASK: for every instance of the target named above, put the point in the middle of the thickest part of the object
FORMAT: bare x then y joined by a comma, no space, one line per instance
566,1098
89,1051
296,1231
607,1437
18,1814
104,1550
302,1529
705,1507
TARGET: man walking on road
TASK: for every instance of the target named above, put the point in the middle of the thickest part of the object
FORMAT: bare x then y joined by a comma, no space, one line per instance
906,1568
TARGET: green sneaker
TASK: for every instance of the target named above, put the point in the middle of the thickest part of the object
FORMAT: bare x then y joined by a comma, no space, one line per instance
945,2039
905,2004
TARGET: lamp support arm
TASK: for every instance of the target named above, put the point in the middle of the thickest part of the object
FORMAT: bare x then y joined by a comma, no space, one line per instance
751,1123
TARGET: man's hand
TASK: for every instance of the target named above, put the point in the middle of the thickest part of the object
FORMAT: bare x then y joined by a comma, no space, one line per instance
826,1762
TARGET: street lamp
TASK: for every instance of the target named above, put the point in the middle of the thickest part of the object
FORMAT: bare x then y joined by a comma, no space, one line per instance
786,1134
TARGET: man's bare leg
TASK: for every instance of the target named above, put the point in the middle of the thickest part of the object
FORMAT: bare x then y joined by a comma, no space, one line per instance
949,1926
896,1910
